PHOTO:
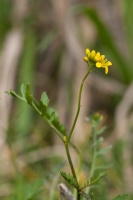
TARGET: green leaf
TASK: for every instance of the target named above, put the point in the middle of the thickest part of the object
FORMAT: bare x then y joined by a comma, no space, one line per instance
43,103
70,179
28,95
49,114
54,119
104,150
23,90
59,126
52,114
97,177
121,197
93,180
103,167
14,94
101,130
44,99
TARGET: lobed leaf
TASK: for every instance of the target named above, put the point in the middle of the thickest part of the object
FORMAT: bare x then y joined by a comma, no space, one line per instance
70,179
54,119
40,106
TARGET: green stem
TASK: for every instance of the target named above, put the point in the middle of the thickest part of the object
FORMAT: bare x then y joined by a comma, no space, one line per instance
70,161
78,195
79,105
72,168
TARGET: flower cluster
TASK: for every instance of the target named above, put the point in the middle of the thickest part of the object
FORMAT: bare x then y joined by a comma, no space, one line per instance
98,60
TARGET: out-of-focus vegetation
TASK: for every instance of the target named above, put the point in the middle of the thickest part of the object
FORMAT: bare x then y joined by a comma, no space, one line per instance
43,42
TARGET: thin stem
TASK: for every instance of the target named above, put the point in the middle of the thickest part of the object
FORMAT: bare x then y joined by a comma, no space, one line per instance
70,161
72,168
79,105
78,195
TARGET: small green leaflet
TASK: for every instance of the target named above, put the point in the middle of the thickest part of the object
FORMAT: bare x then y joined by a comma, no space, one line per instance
23,89
28,95
44,99
43,103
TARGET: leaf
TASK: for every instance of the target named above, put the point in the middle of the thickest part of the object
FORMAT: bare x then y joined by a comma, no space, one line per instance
14,94
103,167
43,103
28,95
92,180
58,125
44,99
121,197
97,177
104,150
23,90
51,113
101,130
98,141
54,119
70,179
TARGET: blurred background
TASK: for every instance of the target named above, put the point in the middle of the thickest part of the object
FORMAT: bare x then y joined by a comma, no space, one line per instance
43,42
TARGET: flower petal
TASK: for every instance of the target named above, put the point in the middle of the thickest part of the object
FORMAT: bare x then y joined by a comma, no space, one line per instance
87,51
98,64
106,70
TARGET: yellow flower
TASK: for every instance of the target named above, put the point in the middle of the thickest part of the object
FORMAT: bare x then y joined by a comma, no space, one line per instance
86,59
98,60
